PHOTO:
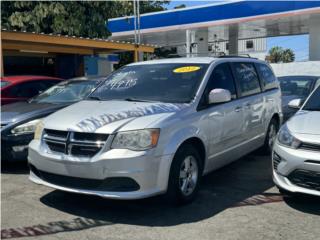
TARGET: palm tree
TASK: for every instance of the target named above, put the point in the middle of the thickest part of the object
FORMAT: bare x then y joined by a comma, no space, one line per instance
278,54
288,56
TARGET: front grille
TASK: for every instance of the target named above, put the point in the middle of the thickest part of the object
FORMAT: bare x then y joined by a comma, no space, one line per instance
306,179
3,125
276,160
77,144
112,184
310,146
56,147
57,133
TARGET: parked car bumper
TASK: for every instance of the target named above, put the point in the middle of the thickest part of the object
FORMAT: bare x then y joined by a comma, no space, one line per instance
15,148
109,174
296,170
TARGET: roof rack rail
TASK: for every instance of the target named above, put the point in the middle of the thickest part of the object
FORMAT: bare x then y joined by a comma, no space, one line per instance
237,56
209,54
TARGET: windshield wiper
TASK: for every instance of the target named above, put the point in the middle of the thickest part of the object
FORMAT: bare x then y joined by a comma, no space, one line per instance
136,100
94,98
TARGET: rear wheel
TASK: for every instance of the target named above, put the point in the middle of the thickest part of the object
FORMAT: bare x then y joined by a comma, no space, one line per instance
185,175
271,136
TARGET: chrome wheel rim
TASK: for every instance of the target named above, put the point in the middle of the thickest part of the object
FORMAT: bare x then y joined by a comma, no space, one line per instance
272,135
188,175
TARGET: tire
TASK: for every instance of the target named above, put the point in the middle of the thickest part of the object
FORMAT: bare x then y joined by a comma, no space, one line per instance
272,131
185,176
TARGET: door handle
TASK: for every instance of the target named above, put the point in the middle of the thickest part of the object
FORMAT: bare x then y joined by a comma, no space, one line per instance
270,100
238,109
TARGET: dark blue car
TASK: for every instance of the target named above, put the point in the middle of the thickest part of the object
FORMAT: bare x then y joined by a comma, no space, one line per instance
18,120
293,87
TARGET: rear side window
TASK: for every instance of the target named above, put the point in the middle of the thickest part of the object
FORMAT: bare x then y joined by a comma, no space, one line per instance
221,77
317,83
247,78
30,89
269,81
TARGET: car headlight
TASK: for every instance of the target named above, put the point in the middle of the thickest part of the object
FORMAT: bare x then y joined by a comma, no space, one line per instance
26,128
137,140
39,130
286,138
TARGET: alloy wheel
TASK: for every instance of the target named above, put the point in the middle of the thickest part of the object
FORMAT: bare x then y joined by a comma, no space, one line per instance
272,136
188,175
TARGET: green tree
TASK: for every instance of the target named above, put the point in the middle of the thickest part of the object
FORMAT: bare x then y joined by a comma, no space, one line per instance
288,56
78,18
275,54
278,54
180,6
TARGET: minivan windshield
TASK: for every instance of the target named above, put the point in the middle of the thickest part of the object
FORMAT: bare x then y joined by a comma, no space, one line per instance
67,91
168,82
313,103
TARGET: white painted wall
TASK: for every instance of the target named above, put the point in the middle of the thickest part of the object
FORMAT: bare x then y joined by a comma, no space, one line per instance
259,49
104,66
296,68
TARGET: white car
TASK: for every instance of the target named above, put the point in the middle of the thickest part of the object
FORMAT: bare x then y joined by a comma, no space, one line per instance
156,127
296,152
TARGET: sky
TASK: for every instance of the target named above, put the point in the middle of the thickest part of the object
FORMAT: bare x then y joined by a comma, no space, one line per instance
298,43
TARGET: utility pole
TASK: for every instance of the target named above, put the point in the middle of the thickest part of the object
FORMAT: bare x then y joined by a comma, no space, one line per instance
138,15
137,35
135,21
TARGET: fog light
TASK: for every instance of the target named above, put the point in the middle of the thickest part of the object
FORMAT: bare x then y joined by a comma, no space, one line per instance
20,148
276,161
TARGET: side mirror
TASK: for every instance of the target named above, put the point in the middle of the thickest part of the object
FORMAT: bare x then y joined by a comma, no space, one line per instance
295,103
219,95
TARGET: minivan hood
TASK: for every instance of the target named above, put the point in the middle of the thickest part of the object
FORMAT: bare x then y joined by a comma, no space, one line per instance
305,122
109,116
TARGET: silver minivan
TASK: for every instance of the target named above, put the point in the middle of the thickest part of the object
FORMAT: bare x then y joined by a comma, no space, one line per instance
157,127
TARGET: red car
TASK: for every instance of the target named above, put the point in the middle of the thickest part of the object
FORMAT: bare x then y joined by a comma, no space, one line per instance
21,88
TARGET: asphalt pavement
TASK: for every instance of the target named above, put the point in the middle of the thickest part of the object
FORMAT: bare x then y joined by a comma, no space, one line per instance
238,201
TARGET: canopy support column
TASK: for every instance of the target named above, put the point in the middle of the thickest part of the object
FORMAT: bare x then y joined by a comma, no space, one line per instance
233,39
136,55
188,43
314,38
201,40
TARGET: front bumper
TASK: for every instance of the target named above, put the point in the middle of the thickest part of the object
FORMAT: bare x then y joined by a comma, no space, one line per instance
150,173
15,147
297,171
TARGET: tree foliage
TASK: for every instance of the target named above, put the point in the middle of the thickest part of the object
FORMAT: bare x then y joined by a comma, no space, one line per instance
180,6
278,54
288,56
78,18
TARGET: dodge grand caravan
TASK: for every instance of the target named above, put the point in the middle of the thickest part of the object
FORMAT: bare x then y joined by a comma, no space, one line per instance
157,127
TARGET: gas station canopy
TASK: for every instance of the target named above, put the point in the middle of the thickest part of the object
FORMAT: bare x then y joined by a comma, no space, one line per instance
225,21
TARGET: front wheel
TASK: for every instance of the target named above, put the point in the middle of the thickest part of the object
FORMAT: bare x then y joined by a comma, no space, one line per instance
271,136
185,175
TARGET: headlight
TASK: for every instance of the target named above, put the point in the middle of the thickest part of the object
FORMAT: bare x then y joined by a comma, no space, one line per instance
286,138
39,130
137,140
26,128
